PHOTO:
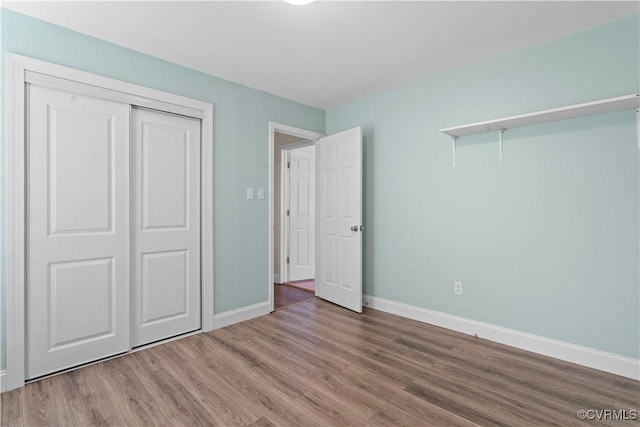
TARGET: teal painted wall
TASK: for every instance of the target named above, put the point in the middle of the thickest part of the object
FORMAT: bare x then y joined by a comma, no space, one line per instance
241,129
547,243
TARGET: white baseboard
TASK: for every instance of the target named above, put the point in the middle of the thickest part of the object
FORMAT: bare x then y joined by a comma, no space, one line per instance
3,381
276,278
592,358
241,314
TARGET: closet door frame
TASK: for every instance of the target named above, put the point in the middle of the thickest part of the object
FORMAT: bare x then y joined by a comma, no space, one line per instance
22,70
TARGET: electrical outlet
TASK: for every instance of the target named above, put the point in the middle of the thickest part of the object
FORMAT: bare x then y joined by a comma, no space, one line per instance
260,193
249,193
457,288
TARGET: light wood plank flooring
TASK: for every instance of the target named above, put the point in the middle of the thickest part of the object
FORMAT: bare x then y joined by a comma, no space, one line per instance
285,295
317,364
309,285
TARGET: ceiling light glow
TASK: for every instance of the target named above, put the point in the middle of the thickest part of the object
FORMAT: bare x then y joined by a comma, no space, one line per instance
299,2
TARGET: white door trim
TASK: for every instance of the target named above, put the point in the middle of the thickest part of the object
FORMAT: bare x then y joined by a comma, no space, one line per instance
133,94
284,219
288,130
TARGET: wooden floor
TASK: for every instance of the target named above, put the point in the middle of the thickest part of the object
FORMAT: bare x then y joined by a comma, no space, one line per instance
309,285
317,364
285,295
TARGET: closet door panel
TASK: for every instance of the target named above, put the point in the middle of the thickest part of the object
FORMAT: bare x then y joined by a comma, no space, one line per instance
167,222
165,174
78,230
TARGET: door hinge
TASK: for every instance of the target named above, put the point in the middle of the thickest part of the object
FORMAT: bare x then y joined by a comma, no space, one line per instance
288,213
288,165
287,260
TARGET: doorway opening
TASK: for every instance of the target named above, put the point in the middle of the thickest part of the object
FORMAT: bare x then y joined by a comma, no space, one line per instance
292,212
337,205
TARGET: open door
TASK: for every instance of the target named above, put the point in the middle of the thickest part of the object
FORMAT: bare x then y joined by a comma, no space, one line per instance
339,219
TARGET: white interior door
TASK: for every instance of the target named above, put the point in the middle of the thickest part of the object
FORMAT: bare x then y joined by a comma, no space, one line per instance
166,245
339,219
302,206
78,230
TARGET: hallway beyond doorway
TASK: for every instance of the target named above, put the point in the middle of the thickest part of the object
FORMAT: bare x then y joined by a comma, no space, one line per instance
308,285
288,294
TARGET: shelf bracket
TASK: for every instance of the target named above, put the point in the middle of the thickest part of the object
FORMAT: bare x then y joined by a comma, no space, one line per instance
453,149
500,135
638,126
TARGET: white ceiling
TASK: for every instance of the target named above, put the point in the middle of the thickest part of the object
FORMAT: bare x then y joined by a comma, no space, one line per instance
329,52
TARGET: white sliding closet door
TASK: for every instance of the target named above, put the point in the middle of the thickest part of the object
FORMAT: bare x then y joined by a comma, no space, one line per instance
166,243
78,230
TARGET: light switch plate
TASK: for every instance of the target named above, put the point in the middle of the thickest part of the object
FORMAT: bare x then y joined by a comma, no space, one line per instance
260,193
457,288
249,193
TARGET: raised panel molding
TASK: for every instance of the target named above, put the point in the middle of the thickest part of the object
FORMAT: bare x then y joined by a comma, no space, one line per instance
163,184
80,280
70,199
162,268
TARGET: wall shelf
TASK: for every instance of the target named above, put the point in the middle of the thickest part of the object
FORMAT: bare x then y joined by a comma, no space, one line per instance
569,112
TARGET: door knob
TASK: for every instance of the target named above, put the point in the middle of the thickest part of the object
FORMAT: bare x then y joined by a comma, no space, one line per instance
354,228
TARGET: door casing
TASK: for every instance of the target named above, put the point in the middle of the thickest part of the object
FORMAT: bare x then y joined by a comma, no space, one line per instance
315,137
24,69
302,134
